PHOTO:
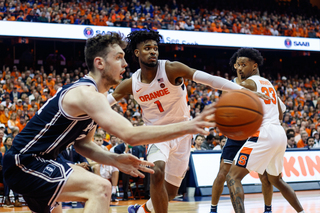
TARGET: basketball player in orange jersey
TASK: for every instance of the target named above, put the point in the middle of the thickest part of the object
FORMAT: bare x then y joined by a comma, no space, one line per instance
263,152
159,89
229,151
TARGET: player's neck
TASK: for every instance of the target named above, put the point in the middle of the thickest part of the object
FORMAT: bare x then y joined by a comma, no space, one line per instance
102,87
256,72
148,74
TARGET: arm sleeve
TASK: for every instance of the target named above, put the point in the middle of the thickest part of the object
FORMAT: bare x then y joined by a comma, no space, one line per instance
111,99
214,81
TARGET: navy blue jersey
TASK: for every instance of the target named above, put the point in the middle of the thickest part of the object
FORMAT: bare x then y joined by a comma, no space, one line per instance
52,129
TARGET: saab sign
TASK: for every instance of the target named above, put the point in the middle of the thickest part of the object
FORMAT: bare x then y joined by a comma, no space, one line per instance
288,43
298,43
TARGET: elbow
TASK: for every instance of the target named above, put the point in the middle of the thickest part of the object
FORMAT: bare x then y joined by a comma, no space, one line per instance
133,141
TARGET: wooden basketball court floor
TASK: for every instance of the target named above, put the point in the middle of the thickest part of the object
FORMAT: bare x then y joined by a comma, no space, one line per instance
310,201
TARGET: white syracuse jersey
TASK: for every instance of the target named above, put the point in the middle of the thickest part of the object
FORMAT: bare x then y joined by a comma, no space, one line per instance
270,107
160,101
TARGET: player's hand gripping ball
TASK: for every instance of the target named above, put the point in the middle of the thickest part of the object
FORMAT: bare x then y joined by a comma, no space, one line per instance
238,114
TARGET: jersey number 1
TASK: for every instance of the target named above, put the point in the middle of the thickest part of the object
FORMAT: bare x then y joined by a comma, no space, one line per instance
159,106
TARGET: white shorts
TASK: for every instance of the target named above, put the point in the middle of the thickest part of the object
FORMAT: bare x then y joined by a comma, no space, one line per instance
106,171
176,154
264,151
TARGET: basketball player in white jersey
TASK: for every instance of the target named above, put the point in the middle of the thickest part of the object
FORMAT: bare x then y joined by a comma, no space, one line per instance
264,151
229,152
159,89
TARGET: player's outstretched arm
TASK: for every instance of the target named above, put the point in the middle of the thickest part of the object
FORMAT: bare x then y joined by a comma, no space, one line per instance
98,108
177,69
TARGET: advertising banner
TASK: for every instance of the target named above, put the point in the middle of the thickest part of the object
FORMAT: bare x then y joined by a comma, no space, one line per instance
82,32
299,166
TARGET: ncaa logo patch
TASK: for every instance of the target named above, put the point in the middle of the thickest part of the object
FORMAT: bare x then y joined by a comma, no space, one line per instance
88,32
49,169
287,43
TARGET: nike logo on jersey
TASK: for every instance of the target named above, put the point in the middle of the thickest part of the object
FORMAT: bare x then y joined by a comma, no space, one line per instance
138,90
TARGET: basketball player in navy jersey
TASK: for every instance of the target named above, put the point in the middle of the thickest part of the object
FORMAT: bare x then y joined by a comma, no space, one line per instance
71,115
159,89
228,153
263,152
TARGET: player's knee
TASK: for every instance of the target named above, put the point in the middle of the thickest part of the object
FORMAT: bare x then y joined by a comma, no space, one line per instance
264,180
158,176
101,189
221,177
224,170
276,181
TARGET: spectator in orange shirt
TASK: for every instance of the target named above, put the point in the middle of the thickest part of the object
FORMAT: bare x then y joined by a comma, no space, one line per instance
101,21
31,113
9,17
267,31
45,94
5,117
113,142
19,104
225,29
12,123
302,142
50,82
123,105
22,123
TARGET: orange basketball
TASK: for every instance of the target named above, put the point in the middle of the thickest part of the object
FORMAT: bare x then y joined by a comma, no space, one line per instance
238,114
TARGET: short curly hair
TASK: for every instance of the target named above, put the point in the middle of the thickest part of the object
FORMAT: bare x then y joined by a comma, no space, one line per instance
252,54
97,45
138,36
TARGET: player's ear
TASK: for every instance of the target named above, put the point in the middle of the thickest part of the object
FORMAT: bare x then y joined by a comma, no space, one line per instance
98,63
255,66
136,52
235,66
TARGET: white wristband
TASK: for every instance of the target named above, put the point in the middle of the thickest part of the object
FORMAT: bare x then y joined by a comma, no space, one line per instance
214,81
111,99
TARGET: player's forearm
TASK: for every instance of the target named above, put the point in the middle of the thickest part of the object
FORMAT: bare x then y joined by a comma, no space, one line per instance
95,153
154,134
214,81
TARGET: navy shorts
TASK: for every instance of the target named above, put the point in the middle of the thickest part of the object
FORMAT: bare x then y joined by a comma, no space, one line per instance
230,150
40,181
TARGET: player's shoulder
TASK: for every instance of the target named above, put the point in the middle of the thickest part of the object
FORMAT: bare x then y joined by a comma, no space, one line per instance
170,64
77,94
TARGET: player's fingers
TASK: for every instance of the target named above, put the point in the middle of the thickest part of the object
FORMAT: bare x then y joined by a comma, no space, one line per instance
134,173
202,132
207,111
210,118
146,169
207,124
146,163
138,173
